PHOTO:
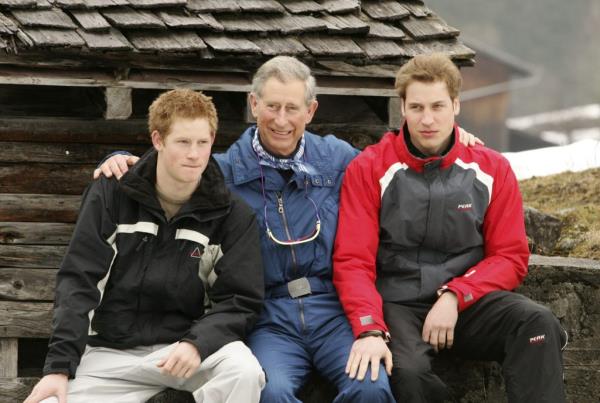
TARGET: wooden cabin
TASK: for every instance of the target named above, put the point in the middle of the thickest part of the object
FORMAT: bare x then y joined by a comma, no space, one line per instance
77,77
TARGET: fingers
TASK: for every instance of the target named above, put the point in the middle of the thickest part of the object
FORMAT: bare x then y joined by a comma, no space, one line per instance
437,337
96,173
176,366
121,162
388,363
441,340
188,374
179,369
349,362
354,366
132,159
105,168
362,368
426,334
474,140
374,369
449,338
167,365
114,168
116,165
433,339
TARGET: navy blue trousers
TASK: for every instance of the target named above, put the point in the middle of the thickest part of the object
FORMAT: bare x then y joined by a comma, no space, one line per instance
295,336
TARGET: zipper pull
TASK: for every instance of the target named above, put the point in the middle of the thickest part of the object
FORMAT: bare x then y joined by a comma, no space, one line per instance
279,203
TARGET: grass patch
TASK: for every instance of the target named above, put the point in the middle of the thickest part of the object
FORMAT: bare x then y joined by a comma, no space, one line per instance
574,198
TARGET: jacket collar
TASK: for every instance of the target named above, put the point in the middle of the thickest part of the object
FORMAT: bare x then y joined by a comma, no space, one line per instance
245,166
417,163
211,197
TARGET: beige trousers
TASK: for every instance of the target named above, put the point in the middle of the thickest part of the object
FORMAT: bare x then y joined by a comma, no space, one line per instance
230,375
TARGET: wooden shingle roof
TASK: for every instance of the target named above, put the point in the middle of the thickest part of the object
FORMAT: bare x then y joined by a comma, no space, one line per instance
217,32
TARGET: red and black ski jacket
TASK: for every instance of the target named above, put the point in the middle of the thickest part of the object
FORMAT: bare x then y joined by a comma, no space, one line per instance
409,226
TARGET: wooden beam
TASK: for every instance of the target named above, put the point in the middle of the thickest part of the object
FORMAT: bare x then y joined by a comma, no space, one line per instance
113,135
9,351
118,103
44,179
121,134
60,153
394,113
204,80
364,86
39,208
84,131
27,284
35,233
31,256
25,319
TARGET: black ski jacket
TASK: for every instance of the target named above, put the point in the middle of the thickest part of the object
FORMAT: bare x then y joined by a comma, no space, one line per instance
131,278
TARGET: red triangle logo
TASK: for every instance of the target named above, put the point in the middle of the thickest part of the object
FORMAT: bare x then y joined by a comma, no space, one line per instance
196,253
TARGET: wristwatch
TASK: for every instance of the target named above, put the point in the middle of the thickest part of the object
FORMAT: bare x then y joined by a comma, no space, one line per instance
377,333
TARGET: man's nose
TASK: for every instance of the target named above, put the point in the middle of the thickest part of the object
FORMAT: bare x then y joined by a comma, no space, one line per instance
281,117
193,151
427,118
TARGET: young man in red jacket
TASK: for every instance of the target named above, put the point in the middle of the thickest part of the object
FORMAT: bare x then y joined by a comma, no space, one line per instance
430,243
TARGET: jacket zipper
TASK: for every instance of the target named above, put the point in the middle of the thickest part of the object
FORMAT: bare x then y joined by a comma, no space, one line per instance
281,211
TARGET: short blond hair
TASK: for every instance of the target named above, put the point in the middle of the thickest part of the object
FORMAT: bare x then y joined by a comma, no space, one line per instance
429,68
180,103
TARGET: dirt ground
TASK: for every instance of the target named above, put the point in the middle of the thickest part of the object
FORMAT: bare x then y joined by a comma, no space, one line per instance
574,198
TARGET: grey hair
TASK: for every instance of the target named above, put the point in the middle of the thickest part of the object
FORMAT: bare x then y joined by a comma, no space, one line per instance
285,69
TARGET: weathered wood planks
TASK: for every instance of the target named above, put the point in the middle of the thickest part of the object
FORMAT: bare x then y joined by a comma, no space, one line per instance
25,319
44,178
31,256
19,284
44,233
9,349
39,208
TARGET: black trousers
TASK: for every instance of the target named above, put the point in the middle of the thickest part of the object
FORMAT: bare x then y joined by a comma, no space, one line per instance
523,336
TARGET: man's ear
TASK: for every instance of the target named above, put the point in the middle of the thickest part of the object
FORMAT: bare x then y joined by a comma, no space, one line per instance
402,107
456,104
157,141
253,101
312,108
